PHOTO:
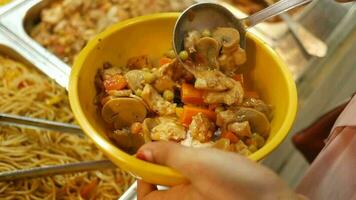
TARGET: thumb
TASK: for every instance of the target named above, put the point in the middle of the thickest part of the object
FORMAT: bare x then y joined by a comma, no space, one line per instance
170,154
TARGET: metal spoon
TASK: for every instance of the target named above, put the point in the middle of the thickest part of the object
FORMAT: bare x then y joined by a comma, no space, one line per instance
211,15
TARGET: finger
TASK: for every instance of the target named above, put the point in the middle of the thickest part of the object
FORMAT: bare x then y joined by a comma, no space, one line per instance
143,189
195,163
180,192
171,154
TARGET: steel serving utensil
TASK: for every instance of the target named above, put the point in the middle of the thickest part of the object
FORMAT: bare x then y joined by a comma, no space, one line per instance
29,122
209,15
56,169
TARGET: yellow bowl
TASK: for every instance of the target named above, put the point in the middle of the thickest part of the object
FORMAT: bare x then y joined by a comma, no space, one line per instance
152,35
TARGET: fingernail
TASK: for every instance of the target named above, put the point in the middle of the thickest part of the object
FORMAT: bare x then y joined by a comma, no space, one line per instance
144,155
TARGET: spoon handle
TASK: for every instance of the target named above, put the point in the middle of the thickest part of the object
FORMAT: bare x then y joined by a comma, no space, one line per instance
273,10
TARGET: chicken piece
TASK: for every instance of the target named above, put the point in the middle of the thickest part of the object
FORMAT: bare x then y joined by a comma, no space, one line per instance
139,62
120,93
225,117
212,80
229,61
168,129
232,96
164,83
156,102
166,69
190,142
201,128
239,56
259,105
135,79
179,73
163,77
223,144
190,41
175,71
72,5
110,71
52,15
242,148
241,129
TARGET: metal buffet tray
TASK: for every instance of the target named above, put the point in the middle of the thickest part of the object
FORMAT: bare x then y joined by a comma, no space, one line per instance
17,17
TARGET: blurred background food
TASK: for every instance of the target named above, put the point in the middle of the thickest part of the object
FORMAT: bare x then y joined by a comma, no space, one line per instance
249,6
252,6
65,26
25,91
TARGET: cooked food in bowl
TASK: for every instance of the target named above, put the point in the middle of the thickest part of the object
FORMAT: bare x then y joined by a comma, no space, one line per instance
203,101
152,36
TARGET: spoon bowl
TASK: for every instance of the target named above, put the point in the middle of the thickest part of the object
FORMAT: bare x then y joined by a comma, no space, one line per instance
203,16
209,15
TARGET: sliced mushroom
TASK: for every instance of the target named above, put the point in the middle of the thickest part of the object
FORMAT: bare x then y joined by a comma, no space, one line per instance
135,79
126,140
260,106
208,48
123,111
257,120
228,37
142,101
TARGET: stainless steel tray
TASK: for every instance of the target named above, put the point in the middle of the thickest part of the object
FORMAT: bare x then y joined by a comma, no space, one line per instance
10,5
11,27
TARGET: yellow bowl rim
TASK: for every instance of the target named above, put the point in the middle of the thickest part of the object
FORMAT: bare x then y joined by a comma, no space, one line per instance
111,150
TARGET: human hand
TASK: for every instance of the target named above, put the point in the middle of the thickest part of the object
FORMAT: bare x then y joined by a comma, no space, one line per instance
212,174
